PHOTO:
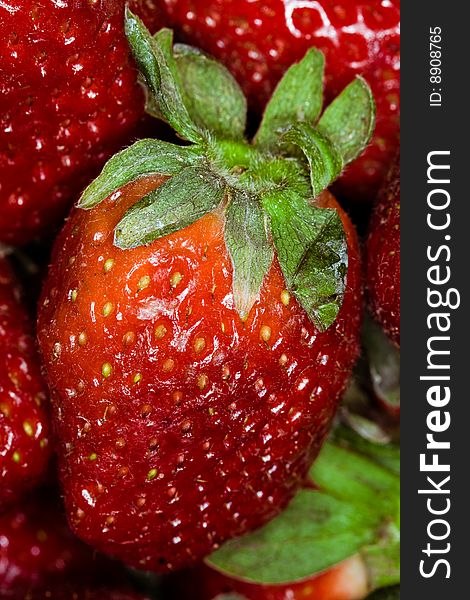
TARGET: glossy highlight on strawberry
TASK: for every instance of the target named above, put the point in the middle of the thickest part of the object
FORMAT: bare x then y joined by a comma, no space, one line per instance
68,100
24,418
258,40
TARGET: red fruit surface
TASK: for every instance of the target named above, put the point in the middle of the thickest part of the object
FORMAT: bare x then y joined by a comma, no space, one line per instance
383,256
179,425
347,580
80,592
37,547
24,427
41,558
257,40
68,100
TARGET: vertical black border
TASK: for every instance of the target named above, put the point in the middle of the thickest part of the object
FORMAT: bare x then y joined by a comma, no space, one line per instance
424,129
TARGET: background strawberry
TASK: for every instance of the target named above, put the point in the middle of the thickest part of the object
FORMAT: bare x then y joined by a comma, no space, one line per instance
94,592
257,40
211,354
38,548
68,99
24,428
383,256
41,558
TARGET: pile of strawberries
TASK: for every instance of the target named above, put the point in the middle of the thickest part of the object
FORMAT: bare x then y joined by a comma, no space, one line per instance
164,397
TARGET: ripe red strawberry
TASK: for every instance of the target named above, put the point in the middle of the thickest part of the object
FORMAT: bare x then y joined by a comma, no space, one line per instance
196,360
258,40
68,100
383,256
24,429
196,424
345,581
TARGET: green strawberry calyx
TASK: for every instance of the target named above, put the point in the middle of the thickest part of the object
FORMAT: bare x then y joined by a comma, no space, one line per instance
266,186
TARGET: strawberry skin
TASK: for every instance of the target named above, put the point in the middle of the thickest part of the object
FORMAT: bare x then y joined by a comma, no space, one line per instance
179,424
74,592
258,40
383,256
37,546
68,100
41,558
24,428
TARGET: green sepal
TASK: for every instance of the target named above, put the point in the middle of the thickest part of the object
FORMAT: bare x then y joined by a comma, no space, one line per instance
385,454
315,532
324,160
145,157
348,474
194,93
213,97
177,203
249,248
312,251
154,57
349,121
298,97
322,527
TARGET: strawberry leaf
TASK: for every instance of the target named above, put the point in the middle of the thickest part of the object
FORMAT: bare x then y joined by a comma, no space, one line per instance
177,203
349,121
249,248
372,486
320,528
315,532
386,455
191,91
298,97
212,95
312,251
154,57
145,157
324,160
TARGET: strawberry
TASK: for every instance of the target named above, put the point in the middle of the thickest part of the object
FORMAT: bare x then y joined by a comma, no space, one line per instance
258,40
76,592
37,546
24,428
201,314
383,256
39,555
68,100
